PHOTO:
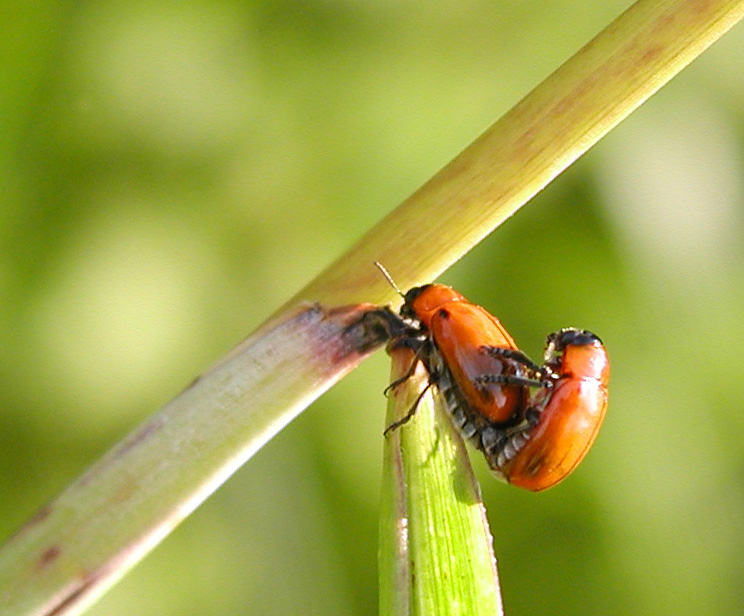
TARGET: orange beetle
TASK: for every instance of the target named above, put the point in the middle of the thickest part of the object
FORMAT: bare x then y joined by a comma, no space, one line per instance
532,441
459,331
560,422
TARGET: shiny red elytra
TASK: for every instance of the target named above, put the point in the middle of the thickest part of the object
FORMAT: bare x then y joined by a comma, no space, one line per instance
562,420
534,424
458,331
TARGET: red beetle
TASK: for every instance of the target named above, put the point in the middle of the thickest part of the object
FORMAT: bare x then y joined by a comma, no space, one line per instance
532,440
559,423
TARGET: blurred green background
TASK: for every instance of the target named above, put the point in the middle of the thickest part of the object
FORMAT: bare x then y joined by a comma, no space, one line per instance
172,172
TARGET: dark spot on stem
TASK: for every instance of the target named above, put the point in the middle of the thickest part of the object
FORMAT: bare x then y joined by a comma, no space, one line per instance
49,556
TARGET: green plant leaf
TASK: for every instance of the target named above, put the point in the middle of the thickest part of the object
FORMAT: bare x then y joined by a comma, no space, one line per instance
436,554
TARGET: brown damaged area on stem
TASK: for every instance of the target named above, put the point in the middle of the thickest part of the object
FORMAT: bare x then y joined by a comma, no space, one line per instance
364,331
49,555
331,334
336,336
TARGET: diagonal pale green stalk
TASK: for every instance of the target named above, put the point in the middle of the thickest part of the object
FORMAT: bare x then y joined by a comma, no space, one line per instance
82,542
436,554
111,517
526,148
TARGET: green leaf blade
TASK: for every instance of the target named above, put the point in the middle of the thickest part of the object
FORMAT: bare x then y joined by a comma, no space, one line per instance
448,567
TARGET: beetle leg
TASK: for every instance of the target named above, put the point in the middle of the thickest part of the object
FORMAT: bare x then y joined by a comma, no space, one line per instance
412,411
515,354
402,379
545,373
511,379
421,347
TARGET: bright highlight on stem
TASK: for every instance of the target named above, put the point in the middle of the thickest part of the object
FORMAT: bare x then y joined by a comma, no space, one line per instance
436,554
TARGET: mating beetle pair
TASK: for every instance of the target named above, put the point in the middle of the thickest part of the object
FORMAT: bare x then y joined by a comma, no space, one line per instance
534,423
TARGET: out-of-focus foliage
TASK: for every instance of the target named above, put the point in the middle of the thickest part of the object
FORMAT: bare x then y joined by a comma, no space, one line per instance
172,172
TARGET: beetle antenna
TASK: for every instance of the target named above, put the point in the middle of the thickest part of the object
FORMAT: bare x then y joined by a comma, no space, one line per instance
389,278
